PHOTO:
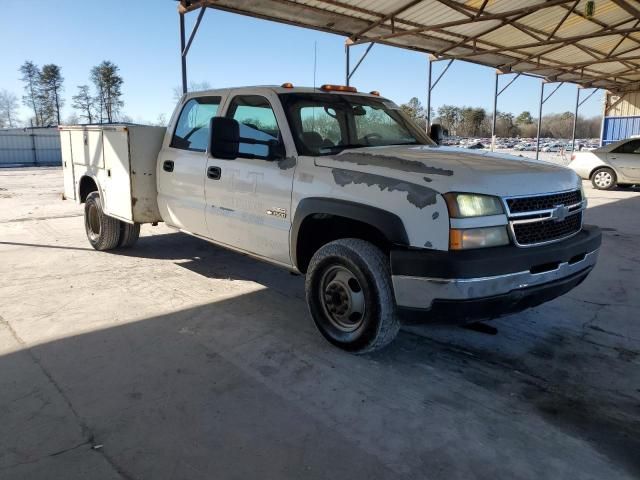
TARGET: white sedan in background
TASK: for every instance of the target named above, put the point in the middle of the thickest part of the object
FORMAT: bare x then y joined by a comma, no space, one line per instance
614,164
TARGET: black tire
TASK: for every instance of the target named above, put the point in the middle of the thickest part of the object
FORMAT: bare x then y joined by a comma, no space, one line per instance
129,234
355,273
604,179
103,231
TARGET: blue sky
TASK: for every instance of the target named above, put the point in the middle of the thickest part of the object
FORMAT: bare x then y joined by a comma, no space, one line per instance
141,37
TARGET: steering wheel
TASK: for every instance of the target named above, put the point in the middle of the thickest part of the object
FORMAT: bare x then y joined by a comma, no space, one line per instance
372,136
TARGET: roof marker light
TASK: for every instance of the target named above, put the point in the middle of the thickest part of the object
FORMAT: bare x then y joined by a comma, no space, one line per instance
374,92
338,88
287,85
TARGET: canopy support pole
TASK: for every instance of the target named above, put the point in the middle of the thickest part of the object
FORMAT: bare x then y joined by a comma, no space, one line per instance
346,64
366,52
183,58
432,59
542,102
186,45
539,119
575,114
496,94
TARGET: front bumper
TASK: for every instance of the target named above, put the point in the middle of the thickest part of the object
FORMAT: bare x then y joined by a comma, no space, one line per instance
487,283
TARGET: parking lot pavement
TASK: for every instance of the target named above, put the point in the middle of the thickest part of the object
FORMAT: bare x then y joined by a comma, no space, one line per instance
178,359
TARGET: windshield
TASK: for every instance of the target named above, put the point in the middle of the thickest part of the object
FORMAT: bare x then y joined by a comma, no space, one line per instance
327,123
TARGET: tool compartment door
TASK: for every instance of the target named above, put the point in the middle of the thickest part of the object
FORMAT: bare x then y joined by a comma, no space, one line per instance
116,179
67,165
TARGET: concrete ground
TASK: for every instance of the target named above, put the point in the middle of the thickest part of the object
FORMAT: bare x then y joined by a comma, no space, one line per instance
180,360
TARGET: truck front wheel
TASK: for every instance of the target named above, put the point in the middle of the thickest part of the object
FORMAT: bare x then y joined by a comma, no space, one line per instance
350,297
103,231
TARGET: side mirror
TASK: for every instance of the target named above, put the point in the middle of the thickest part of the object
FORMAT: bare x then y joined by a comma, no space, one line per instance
224,138
436,133
276,150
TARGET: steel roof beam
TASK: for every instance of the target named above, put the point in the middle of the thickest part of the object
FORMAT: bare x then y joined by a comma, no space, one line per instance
564,41
483,18
388,17
628,8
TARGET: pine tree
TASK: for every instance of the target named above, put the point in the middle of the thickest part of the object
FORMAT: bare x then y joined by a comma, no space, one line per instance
50,83
85,103
31,77
108,85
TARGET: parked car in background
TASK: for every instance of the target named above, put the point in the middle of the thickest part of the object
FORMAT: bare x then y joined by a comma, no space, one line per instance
521,147
552,147
614,164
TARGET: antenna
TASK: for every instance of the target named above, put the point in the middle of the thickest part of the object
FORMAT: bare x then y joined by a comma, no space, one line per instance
315,58
315,61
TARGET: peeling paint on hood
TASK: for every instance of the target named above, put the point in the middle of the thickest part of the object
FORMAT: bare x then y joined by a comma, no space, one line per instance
417,195
453,169
386,161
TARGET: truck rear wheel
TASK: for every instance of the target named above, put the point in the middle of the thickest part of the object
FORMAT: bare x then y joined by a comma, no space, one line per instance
350,297
103,231
129,234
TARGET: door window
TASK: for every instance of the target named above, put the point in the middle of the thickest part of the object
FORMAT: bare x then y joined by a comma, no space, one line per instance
257,122
632,146
192,130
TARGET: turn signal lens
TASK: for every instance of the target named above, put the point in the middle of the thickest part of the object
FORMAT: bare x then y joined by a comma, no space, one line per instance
338,88
478,238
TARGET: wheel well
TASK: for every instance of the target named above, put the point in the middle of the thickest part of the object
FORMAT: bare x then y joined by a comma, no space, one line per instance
600,167
319,229
87,185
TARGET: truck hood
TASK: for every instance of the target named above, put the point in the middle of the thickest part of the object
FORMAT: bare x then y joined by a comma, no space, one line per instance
449,169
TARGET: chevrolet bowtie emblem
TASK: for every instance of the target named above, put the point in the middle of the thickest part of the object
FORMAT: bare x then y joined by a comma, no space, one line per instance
559,213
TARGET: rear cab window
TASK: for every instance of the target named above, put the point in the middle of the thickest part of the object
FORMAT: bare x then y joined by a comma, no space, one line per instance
192,128
257,121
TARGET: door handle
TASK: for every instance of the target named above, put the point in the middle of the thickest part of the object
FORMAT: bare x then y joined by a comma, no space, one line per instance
214,173
167,166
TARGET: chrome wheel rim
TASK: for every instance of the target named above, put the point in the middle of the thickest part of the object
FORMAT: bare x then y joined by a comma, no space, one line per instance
342,298
603,179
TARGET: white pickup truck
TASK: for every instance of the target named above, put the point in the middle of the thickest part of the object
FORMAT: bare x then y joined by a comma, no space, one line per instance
343,187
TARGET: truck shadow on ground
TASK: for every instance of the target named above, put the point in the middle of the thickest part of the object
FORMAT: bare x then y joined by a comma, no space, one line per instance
249,375
245,384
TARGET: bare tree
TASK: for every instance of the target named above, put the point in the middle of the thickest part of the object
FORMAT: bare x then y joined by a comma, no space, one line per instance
193,87
72,119
8,109
108,85
85,103
31,77
50,88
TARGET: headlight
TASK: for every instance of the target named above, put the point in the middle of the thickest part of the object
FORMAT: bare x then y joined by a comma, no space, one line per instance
478,237
463,205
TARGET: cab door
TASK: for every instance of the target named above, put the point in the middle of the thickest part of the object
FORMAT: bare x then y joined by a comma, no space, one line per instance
249,199
182,167
626,160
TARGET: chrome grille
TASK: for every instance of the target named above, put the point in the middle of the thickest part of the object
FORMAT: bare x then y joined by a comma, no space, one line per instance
533,233
543,202
540,219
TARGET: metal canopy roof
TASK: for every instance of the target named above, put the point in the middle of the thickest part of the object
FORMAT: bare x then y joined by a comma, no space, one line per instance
555,39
